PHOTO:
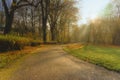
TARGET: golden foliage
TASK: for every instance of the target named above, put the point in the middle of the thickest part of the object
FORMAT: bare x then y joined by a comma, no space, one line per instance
75,46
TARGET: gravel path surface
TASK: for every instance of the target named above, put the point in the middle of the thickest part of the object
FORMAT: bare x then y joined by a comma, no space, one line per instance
55,64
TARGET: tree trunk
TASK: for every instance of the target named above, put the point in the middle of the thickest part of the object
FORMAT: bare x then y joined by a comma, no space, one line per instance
45,11
44,26
53,34
8,23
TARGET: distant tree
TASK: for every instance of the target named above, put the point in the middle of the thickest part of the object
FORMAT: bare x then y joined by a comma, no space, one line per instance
62,16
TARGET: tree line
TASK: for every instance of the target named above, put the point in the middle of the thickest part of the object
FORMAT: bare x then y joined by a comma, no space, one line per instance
105,29
47,19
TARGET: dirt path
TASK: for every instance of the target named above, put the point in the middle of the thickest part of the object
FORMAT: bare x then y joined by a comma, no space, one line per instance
55,64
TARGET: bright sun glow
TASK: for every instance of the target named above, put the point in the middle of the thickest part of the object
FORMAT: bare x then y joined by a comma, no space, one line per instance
93,17
91,9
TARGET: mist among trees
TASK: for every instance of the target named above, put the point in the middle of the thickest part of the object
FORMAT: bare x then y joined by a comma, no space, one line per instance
105,29
56,20
45,20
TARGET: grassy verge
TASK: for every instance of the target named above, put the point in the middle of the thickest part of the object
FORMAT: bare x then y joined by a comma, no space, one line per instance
7,58
9,61
108,57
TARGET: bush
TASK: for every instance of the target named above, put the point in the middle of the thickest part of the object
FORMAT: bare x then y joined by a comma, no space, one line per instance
35,43
8,43
51,42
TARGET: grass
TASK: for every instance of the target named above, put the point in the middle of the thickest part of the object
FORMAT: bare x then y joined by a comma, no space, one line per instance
7,58
108,57
10,61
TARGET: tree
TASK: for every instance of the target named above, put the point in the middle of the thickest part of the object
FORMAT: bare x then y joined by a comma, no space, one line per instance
9,11
45,12
62,15
55,11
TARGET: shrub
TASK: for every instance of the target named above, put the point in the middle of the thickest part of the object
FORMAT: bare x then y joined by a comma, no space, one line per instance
51,42
8,42
35,42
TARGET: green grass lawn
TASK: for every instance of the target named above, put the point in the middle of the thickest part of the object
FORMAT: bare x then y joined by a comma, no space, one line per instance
107,57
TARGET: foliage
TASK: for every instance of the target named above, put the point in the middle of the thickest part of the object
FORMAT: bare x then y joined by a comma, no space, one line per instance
107,10
49,19
35,42
9,42
105,29
108,57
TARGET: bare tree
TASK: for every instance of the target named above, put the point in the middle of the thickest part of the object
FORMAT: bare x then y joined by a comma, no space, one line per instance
45,12
9,11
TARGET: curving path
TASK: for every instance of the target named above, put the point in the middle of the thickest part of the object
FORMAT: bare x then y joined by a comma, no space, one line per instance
55,64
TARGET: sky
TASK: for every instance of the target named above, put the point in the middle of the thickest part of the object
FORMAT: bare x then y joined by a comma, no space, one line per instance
90,9
8,3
